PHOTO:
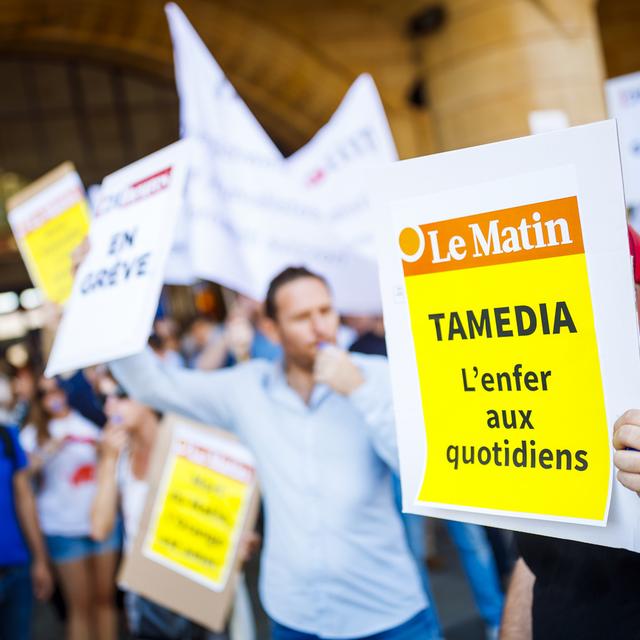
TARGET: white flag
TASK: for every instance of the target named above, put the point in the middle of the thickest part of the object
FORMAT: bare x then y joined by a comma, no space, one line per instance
252,212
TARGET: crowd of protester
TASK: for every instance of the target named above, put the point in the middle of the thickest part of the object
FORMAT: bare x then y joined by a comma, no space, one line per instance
74,465
81,447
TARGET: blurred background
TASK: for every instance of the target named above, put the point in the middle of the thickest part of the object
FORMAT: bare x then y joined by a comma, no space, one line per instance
92,81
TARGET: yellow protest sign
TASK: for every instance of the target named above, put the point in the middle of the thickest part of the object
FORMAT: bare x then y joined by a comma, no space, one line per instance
503,330
49,219
200,510
203,498
511,325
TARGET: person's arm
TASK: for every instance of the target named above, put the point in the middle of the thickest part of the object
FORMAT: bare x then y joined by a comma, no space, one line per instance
206,396
239,336
28,518
626,441
516,617
369,390
40,456
104,509
82,397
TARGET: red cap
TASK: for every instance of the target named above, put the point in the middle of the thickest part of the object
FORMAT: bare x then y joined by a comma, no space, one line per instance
634,246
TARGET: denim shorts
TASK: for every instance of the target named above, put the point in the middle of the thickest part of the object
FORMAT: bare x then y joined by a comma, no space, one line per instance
69,548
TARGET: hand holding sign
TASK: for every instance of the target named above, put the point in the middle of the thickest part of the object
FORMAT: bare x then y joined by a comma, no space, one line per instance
249,546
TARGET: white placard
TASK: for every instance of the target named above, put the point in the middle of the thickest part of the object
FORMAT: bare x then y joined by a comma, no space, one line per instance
623,104
580,162
116,289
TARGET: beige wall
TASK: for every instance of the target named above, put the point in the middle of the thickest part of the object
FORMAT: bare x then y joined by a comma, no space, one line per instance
497,60
620,30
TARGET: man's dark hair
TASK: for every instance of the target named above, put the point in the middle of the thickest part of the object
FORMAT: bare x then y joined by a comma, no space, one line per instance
284,277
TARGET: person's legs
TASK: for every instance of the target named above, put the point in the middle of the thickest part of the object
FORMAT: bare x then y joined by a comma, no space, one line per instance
77,589
479,565
431,612
242,625
16,603
103,571
149,621
414,527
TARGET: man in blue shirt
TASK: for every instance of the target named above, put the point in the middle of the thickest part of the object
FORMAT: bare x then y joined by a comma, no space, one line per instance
20,573
320,423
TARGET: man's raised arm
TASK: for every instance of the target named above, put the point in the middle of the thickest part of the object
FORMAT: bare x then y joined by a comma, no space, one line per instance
201,395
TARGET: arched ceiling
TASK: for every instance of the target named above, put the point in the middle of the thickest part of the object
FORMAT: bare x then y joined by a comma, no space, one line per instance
291,60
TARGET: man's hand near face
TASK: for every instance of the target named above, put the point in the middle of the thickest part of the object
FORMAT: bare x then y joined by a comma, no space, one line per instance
335,368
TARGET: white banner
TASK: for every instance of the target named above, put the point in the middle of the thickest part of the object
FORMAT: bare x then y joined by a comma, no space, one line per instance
116,290
253,212
623,104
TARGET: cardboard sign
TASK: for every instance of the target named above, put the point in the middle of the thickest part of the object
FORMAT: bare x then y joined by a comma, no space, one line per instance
203,498
116,289
49,219
623,103
510,315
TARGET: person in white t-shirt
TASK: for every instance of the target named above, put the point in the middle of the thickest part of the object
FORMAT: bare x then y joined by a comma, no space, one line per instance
61,445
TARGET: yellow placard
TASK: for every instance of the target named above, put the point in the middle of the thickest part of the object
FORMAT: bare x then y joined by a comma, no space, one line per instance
49,219
505,343
199,520
48,250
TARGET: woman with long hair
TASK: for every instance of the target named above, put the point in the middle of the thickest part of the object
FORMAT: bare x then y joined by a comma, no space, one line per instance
125,452
62,448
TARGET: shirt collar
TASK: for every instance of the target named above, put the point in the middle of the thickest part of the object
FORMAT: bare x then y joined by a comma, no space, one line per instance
279,389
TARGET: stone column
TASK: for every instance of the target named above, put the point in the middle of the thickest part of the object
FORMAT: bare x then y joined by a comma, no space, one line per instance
494,61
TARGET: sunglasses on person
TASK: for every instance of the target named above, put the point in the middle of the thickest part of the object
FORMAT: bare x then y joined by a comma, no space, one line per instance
118,392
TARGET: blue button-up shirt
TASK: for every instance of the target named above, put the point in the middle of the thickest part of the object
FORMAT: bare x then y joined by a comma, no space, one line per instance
335,561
